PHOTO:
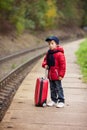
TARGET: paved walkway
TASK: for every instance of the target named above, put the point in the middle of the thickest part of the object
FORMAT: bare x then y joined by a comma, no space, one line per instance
23,115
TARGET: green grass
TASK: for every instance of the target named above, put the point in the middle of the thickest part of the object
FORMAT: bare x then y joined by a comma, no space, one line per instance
13,66
82,59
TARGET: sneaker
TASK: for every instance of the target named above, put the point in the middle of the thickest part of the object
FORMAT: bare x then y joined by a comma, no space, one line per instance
60,105
51,103
44,105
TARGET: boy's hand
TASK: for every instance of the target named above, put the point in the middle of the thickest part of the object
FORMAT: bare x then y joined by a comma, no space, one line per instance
46,67
60,78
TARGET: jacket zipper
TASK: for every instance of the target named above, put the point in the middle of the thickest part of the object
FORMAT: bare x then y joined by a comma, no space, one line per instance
56,72
49,75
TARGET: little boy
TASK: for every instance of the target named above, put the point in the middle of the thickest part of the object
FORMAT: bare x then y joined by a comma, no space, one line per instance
55,62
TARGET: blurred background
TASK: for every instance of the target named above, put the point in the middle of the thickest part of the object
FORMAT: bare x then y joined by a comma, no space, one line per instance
21,15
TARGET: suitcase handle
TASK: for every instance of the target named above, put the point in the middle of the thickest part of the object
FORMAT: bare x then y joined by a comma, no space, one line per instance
46,73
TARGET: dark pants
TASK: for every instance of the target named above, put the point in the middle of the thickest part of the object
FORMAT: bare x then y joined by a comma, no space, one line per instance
56,91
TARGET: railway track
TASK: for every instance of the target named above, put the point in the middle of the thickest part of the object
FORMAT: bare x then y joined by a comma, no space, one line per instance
10,62
10,83
9,57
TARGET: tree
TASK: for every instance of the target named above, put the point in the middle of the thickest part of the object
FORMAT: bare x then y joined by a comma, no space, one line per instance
84,22
5,10
70,12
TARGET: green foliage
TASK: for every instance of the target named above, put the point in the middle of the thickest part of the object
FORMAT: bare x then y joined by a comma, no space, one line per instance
51,14
42,14
6,5
35,14
5,9
17,16
70,12
82,58
85,13
29,24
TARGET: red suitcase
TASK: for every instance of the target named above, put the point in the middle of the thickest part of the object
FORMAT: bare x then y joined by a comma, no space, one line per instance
41,91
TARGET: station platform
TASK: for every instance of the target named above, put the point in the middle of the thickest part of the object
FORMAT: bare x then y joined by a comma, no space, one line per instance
24,115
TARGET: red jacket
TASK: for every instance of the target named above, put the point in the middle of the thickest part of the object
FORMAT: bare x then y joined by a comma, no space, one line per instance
60,64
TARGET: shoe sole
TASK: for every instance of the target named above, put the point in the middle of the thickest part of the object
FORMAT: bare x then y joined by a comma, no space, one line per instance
51,106
59,106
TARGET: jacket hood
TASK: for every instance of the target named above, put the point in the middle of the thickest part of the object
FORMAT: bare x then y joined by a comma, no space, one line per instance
59,48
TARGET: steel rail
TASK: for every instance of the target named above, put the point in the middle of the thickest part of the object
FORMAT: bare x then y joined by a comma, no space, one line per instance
21,67
3,59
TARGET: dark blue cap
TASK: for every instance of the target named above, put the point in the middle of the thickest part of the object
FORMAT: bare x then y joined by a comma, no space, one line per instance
52,38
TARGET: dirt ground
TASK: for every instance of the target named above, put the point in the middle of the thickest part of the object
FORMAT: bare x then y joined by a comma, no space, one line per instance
13,43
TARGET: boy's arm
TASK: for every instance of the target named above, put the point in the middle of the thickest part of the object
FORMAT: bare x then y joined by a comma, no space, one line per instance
62,66
44,63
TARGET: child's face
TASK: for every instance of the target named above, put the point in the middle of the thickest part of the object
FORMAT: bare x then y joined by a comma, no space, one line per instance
52,44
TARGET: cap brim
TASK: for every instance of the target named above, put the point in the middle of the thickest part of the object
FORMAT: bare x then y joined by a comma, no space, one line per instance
48,39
